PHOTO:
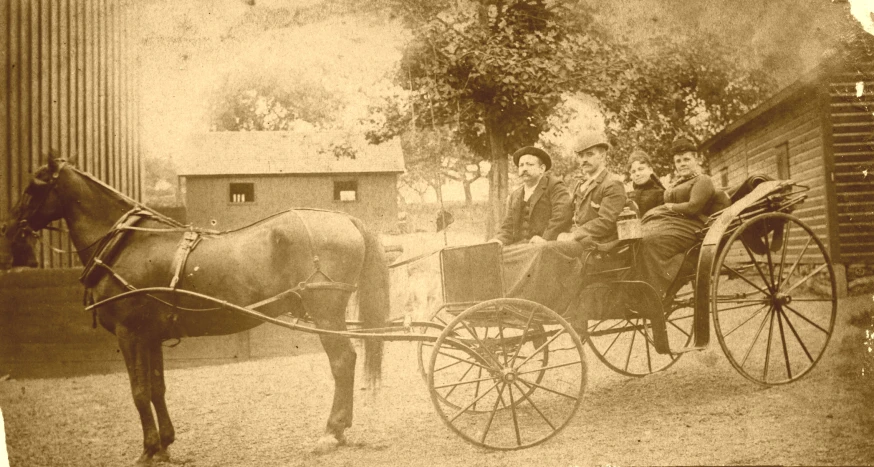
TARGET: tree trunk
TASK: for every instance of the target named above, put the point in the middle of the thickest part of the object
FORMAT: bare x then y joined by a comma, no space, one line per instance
468,196
497,177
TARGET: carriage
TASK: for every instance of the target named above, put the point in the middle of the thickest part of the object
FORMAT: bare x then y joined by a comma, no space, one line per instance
508,373
503,372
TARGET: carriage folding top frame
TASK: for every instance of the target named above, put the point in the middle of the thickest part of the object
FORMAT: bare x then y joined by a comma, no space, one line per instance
509,373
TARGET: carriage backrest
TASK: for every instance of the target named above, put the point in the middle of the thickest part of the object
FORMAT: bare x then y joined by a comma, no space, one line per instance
472,273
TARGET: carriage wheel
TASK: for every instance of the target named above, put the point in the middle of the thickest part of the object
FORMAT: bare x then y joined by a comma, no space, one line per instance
774,299
490,381
626,345
443,318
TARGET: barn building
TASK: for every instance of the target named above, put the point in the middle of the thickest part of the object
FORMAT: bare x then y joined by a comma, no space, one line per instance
819,132
232,179
68,87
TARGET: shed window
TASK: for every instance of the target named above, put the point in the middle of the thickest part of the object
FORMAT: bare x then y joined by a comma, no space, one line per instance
242,192
723,177
783,172
346,191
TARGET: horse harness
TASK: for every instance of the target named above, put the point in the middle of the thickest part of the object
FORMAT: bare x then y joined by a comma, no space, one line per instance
109,247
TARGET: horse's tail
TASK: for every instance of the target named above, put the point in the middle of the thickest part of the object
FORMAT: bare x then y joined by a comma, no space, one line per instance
373,300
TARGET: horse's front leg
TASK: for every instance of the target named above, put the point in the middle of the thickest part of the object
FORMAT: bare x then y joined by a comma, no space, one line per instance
167,433
342,358
136,353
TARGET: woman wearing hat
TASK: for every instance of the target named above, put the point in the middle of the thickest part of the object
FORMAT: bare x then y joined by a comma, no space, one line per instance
540,209
672,228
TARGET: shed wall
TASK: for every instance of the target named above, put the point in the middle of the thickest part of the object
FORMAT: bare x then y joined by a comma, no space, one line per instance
208,198
852,126
796,123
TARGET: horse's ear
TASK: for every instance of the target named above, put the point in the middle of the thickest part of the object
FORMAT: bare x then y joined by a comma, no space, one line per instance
55,165
73,159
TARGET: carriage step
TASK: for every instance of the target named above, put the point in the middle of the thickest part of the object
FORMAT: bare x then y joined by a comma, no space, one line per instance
691,348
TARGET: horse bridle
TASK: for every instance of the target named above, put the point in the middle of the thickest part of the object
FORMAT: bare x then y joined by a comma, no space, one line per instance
24,227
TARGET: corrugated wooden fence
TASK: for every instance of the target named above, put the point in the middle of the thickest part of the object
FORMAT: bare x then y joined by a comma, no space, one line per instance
68,86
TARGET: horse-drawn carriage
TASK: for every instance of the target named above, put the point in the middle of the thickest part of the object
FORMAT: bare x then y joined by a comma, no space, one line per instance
505,373
508,373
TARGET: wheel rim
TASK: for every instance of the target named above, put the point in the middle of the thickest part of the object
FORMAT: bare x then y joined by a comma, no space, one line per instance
423,349
494,387
774,299
626,345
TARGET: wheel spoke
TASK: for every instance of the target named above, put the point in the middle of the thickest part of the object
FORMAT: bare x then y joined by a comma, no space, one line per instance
805,318
672,323
502,340
528,399
756,264
803,280
449,393
795,264
462,383
550,367
485,349
797,337
524,336
488,426
768,346
787,227
529,383
515,419
630,346
741,276
437,370
770,260
783,341
464,409
745,321
740,307
753,343
462,360
543,346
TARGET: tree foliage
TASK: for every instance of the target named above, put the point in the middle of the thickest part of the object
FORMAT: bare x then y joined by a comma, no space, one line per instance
689,85
260,101
492,72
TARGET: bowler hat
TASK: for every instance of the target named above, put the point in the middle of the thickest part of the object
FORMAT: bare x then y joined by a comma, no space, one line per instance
532,151
589,140
683,144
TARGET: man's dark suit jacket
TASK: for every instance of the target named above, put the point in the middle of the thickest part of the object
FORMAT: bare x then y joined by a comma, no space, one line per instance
597,207
549,214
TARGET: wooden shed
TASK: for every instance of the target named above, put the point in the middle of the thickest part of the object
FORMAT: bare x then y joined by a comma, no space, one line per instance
819,132
231,179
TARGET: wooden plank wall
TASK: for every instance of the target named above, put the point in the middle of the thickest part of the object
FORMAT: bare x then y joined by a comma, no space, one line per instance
851,103
755,149
67,85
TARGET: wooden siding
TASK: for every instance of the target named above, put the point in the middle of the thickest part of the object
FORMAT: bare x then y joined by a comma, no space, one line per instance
67,86
852,127
797,124
207,198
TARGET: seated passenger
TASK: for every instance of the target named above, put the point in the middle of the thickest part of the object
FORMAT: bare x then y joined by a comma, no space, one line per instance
598,199
672,228
540,209
647,190
551,273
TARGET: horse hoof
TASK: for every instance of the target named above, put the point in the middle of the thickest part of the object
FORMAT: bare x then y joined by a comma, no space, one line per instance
327,444
161,456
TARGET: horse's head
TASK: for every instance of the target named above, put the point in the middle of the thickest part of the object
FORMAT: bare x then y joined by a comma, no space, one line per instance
38,207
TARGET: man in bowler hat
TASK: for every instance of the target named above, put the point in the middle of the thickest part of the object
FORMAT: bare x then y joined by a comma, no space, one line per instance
540,208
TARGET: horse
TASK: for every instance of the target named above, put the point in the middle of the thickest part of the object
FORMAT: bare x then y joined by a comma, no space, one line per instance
302,262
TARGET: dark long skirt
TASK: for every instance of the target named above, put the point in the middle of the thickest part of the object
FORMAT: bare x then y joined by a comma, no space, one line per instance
665,240
546,273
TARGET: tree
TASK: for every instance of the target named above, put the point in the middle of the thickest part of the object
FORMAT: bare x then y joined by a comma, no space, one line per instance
492,72
252,100
690,85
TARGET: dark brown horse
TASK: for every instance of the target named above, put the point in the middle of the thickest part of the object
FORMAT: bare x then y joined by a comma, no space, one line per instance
284,252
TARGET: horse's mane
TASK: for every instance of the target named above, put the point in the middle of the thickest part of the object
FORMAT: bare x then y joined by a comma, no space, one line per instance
134,203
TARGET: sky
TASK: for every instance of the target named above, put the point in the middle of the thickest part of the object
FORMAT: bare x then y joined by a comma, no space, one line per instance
187,47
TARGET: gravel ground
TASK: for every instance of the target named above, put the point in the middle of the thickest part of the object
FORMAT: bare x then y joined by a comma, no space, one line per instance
270,412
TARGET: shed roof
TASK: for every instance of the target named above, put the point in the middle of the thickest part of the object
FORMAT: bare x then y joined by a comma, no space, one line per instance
805,82
285,152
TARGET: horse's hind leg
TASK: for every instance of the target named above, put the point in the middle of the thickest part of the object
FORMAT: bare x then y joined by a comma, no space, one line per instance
165,426
137,358
331,315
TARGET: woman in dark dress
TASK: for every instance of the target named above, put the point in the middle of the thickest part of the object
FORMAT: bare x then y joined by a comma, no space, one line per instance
647,190
672,228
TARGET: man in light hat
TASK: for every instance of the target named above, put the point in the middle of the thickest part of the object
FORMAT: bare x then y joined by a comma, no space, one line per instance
599,198
540,208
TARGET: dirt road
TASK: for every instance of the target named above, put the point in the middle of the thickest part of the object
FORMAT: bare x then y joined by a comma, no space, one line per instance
270,412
